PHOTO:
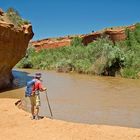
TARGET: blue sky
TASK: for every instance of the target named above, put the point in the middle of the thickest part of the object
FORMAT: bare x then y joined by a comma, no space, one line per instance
54,18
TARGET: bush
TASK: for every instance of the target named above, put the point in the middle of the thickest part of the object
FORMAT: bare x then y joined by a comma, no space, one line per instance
76,41
27,61
64,65
129,73
83,66
106,57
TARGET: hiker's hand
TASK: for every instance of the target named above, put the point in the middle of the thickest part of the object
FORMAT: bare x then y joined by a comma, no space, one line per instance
33,93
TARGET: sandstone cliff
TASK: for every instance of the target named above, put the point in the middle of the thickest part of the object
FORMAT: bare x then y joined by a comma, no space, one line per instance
115,34
51,43
13,44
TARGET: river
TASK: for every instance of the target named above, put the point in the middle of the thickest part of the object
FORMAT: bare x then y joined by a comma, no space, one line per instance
84,98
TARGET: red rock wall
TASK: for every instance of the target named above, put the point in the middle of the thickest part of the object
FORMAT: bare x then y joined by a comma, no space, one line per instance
51,43
117,34
13,45
114,34
90,38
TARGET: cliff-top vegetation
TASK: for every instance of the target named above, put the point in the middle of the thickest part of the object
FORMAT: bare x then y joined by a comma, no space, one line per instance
13,16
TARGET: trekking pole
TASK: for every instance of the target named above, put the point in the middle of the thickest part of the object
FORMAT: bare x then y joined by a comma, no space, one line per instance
49,105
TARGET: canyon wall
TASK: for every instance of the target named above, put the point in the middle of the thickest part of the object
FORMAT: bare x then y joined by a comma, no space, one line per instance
13,44
115,34
51,43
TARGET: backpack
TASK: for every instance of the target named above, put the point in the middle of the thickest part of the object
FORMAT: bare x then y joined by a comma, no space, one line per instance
29,87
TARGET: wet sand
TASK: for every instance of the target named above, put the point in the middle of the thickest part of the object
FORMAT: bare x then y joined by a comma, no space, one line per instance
16,124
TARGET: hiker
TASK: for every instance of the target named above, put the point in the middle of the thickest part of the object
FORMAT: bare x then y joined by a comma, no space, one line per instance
35,97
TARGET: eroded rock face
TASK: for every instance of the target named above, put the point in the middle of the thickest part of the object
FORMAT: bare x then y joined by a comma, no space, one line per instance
115,34
51,43
90,38
13,45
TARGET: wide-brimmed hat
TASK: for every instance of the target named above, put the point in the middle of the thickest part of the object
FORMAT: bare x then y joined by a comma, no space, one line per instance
38,75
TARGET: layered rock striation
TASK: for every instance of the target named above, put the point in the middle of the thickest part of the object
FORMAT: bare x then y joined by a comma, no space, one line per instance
115,34
51,43
13,44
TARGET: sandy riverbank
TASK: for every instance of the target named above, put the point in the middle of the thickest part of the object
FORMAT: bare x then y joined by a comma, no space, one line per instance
16,124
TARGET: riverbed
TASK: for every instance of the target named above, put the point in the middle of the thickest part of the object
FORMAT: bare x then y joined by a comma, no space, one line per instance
84,98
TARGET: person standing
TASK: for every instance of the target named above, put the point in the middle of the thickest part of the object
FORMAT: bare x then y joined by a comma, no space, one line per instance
35,96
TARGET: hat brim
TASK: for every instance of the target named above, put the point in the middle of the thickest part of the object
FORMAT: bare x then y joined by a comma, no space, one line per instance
38,76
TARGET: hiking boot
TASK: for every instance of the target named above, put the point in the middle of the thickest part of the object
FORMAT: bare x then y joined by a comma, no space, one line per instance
33,117
36,117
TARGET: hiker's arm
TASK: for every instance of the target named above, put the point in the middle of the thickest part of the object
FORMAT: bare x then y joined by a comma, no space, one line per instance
41,88
44,89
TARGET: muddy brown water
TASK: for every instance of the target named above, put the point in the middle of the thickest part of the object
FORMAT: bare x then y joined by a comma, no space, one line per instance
84,98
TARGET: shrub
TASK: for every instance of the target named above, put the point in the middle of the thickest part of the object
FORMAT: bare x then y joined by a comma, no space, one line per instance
27,62
83,66
76,41
64,65
129,73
